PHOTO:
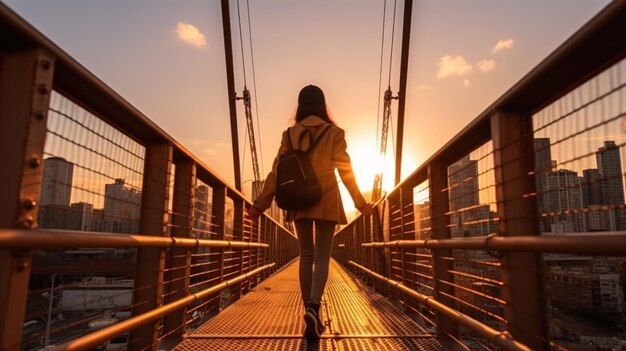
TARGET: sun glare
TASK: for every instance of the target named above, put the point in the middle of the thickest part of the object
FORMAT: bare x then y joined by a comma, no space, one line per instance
366,163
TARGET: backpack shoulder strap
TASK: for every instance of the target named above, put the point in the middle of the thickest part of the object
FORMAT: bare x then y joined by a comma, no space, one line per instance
319,137
287,134
305,132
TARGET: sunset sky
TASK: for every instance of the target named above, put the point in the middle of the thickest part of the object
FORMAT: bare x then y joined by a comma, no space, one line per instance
167,59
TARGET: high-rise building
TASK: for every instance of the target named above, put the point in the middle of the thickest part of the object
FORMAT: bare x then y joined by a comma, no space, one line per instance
463,183
56,185
82,217
122,206
543,165
563,191
611,176
469,218
543,161
563,199
201,212
56,192
612,183
592,194
423,221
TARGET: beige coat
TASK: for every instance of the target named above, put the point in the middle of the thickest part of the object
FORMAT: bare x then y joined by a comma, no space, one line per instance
329,154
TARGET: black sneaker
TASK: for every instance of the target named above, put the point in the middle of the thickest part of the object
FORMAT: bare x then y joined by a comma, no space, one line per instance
314,327
320,325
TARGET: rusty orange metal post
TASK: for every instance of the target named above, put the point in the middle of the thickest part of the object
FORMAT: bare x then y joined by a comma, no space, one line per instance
25,86
438,181
151,261
523,289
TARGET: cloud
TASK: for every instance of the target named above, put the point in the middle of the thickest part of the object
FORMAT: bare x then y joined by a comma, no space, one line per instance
486,65
190,34
466,83
503,44
452,66
424,87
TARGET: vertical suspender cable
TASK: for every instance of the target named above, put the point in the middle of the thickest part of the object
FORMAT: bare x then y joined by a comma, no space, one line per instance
248,111
256,100
393,34
380,71
378,178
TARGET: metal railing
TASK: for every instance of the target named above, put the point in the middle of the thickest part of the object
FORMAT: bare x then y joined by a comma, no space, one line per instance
110,230
513,235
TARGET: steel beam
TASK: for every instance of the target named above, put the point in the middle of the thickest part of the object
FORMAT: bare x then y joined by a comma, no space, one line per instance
232,94
148,293
523,289
25,86
404,69
439,206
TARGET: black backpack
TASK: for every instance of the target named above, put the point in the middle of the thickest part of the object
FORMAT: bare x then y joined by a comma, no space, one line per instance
297,186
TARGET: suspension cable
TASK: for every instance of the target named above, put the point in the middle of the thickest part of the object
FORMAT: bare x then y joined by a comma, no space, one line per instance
393,31
378,178
380,71
256,100
247,101
253,155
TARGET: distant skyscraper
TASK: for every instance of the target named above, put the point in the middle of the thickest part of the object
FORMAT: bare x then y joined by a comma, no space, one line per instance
201,212
543,166
564,191
592,194
122,206
612,184
463,183
56,192
563,198
82,217
56,185
611,176
423,223
467,217
543,161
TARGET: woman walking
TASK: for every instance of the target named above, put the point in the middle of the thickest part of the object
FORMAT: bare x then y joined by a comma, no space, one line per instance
315,226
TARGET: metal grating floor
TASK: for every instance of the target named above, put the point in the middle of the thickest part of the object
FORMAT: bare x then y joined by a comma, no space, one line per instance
270,318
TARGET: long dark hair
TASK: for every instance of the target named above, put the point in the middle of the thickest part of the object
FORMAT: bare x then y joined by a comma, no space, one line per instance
311,101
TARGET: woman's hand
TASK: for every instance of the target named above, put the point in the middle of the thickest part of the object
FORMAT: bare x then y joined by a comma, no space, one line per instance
366,209
253,213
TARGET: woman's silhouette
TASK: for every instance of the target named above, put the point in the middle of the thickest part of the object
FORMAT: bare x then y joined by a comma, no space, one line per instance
315,226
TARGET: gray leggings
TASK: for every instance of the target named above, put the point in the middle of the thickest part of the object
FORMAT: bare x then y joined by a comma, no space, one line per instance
314,258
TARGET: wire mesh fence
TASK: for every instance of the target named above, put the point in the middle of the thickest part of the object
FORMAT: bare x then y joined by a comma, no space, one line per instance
576,145
93,183
92,173
579,144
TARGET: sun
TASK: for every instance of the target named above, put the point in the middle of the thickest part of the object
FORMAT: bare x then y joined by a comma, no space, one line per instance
367,162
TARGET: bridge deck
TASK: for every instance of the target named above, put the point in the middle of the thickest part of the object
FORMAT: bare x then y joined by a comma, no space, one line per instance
270,318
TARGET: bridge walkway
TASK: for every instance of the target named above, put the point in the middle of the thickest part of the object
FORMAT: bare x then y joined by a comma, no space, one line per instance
270,318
